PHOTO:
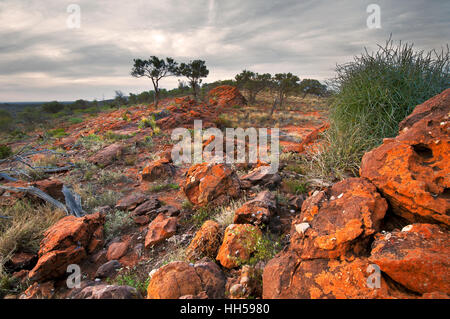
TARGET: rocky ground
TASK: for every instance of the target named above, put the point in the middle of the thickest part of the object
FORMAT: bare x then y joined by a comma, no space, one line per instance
157,230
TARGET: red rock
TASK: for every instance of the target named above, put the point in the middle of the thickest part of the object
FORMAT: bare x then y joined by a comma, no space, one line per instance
211,183
149,206
107,155
141,220
131,201
108,292
117,250
288,277
238,244
39,291
52,187
248,284
108,269
206,241
256,211
411,170
226,96
65,243
338,221
179,279
261,175
159,229
21,260
418,257
160,169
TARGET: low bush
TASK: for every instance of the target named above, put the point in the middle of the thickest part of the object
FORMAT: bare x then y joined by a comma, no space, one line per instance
373,94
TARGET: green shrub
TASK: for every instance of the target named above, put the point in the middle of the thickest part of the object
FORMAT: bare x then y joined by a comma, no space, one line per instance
296,186
373,94
130,277
57,133
5,120
5,151
75,120
52,107
116,223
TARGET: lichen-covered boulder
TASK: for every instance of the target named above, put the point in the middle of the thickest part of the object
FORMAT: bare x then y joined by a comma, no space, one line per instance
412,170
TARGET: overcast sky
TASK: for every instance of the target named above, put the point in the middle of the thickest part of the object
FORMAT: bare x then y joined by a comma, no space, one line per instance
42,59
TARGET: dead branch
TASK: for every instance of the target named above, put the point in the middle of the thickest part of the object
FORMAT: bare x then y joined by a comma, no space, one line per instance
38,193
73,202
22,157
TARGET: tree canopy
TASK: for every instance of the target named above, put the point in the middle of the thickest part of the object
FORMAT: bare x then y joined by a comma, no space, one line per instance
155,69
253,83
194,71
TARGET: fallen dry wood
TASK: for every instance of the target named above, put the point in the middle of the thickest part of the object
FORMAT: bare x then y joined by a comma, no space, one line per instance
73,200
23,157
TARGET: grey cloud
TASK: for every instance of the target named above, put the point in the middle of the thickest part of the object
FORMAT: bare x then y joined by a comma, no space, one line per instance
305,37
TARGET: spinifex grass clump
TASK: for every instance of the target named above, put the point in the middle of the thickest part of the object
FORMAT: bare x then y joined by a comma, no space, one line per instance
374,93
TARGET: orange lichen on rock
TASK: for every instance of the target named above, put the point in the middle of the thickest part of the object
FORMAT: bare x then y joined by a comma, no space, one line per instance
412,170
161,228
418,257
210,183
67,242
179,279
338,220
206,241
239,242
288,277
160,169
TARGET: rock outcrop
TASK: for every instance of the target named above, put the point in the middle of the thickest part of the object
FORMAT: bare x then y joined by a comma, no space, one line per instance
211,184
417,257
412,170
67,242
107,155
239,242
206,241
179,279
226,96
257,211
107,292
161,228
338,221
160,169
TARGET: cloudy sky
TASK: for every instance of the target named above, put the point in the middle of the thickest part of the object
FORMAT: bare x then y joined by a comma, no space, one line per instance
42,59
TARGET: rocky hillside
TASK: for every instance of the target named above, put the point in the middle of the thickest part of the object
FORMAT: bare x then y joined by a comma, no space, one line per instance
147,228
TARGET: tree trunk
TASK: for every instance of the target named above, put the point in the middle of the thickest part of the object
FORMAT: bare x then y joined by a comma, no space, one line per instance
156,97
275,102
194,88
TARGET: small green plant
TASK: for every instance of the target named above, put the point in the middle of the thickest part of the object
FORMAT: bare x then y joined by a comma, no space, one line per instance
110,136
116,223
75,120
106,176
265,249
130,277
200,216
296,186
57,133
187,205
125,116
162,187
